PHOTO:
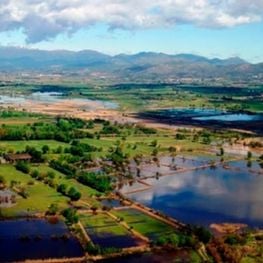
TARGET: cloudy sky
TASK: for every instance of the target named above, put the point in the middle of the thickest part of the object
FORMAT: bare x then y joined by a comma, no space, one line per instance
214,28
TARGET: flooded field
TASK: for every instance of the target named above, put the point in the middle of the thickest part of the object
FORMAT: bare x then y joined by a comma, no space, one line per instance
224,193
36,239
106,233
51,98
208,118
59,103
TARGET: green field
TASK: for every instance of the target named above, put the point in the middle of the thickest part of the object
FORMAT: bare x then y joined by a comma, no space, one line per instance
40,196
101,223
86,192
144,224
38,144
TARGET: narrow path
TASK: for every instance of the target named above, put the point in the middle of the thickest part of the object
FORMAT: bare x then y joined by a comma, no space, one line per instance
88,239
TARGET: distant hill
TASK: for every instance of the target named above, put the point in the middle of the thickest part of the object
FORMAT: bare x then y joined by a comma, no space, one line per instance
144,65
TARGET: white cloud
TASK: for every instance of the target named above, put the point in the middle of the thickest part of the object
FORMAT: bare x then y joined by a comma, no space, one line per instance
42,20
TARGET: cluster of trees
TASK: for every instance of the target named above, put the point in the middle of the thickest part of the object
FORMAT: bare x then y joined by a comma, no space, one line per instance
145,130
63,130
63,167
117,156
23,167
71,192
37,156
16,114
99,181
176,240
70,215
185,240
110,129
78,148
47,178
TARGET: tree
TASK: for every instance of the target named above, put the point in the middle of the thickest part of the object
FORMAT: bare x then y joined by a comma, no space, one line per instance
59,150
36,155
35,173
99,181
74,194
71,216
45,149
23,167
52,209
51,174
202,233
62,188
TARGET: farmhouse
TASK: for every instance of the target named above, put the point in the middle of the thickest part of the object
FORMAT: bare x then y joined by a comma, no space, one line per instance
12,158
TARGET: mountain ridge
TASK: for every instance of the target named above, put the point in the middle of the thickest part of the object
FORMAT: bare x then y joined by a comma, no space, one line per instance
151,65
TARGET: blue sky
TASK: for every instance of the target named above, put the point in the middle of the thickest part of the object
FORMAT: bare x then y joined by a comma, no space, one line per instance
203,27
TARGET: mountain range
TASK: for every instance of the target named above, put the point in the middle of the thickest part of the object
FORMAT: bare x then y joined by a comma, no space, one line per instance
144,65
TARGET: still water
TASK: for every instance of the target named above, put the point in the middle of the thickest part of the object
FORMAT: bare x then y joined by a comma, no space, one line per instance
51,97
208,195
36,239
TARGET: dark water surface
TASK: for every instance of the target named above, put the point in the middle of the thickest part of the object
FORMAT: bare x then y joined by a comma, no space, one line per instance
208,118
109,240
35,239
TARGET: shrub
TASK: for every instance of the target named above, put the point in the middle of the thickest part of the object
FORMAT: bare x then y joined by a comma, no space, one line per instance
23,167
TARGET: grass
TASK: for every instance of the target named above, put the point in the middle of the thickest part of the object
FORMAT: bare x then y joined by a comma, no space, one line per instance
101,224
60,178
144,224
38,144
40,197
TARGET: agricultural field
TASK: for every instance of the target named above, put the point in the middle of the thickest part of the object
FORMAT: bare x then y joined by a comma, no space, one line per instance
106,232
144,224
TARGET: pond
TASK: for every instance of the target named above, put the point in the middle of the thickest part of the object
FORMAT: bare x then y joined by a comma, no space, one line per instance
106,232
36,239
207,196
203,117
107,240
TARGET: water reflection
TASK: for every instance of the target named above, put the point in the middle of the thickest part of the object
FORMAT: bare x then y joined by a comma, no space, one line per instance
36,239
207,196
